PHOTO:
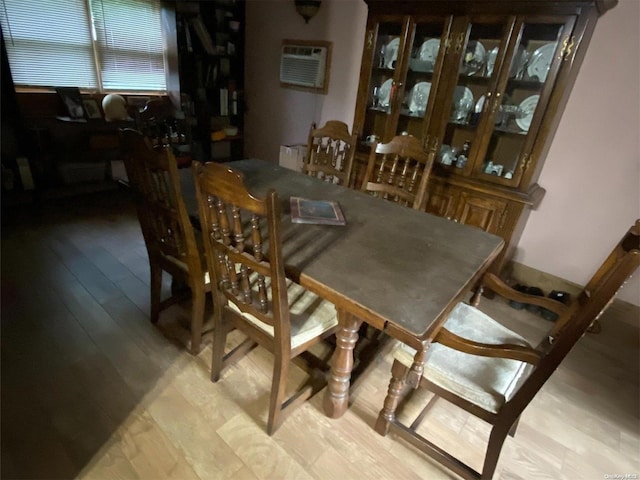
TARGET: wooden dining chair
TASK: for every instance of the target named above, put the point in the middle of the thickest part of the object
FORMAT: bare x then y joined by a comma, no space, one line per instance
330,152
167,230
490,371
242,236
399,171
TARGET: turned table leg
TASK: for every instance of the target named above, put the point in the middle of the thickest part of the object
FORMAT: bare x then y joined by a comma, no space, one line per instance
336,397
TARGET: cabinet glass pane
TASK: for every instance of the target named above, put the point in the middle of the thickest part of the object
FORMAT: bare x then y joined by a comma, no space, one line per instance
528,71
478,48
381,95
417,85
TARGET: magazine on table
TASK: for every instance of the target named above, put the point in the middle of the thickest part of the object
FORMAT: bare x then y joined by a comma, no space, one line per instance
325,212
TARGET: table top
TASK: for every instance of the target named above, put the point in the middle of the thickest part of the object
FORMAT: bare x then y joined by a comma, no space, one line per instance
389,265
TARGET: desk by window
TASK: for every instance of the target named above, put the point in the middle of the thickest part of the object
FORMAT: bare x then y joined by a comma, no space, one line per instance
395,268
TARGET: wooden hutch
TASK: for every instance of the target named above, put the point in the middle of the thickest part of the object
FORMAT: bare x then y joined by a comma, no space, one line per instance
483,84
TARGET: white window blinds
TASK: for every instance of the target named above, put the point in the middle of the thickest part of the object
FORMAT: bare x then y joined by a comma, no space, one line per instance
129,44
94,44
49,43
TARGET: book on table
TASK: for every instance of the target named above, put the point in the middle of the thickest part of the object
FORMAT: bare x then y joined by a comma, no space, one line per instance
325,212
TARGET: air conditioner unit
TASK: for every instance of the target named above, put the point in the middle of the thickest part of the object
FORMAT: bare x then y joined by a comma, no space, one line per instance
305,65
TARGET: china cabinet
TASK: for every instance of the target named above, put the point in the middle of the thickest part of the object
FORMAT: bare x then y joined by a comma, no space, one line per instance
483,84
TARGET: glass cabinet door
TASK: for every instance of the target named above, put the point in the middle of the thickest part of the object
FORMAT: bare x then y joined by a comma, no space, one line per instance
384,78
406,59
425,57
476,49
528,73
505,68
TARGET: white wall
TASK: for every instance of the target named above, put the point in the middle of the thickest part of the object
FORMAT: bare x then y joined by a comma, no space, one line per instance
592,172
278,116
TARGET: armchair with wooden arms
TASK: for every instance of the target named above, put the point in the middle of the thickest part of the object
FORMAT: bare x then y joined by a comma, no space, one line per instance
166,227
242,236
330,152
399,171
490,371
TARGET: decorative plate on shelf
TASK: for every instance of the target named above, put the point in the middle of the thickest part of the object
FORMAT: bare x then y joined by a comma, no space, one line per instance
474,58
419,97
384,96
391,52
541,59
519,62
526,110
429,50
462,103
491,60
426,57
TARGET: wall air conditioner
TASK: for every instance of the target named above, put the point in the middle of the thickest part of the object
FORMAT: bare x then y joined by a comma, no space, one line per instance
305,65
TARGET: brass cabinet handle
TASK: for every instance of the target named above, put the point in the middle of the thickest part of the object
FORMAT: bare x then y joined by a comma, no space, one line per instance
567,47
460,42
496,103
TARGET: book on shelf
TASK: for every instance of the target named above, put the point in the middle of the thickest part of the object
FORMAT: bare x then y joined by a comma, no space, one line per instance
324,212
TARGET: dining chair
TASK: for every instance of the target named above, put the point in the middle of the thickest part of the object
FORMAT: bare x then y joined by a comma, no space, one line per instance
491,371
330,152
167,230
243,244
399,171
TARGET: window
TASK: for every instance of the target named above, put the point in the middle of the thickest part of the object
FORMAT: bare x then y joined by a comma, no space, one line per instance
104,45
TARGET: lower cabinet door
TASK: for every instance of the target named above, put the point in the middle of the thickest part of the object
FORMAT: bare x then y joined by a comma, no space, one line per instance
482,212
442,201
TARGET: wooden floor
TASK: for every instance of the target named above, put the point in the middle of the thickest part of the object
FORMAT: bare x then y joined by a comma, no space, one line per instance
90,389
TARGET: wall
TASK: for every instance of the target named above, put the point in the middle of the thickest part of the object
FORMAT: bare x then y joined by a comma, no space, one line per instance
279,116
592,172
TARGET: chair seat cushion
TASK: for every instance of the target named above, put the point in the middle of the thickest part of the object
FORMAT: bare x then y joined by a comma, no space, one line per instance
487,382
310,315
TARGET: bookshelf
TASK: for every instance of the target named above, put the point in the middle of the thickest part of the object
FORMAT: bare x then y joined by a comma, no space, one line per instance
211,63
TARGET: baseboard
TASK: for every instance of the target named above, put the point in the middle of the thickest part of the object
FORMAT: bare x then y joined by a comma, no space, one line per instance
516,272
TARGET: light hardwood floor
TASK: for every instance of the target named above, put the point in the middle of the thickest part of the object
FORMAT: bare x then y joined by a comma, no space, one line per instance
90,389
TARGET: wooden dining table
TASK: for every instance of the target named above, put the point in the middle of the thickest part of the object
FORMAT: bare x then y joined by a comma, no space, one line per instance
397,269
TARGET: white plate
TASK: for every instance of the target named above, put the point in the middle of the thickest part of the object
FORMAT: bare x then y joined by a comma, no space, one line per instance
541,61
391,52
429,50
419,97
474,57
385,93
518,63
479,105
491,60
527,108
462,103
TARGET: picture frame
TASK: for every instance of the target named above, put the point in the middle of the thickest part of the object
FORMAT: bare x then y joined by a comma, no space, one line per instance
72,100
92,108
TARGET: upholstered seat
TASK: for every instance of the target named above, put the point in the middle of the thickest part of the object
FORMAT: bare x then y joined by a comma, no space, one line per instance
484,381
310,315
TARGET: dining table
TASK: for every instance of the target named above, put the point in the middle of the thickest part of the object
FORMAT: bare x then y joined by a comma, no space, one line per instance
398,269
